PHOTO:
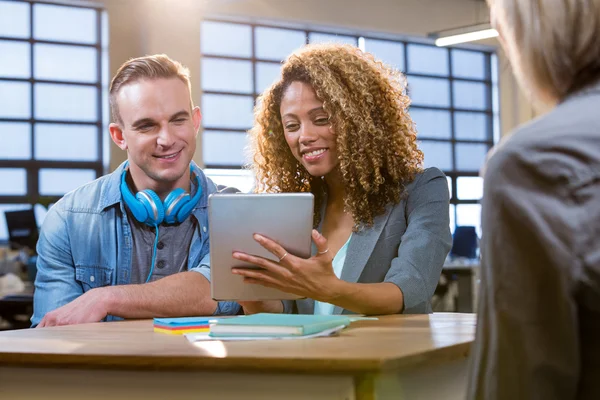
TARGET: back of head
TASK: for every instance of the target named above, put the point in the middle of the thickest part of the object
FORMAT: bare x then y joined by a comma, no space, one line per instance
553,45
148,67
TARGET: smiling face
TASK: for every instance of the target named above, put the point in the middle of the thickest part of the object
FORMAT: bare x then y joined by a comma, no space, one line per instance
307,129
158,129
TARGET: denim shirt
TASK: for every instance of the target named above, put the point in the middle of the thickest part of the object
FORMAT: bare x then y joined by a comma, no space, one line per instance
86,243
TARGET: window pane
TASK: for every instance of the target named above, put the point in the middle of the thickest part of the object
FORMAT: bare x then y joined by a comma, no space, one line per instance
277,44
495,99
226,39
20,61
437,154
429,91
428,60
15,99
104,40
496,130
469,215
266,74
468,64
432,123
222,111
40,212
237,178
13,182
64,24
16,140
66,102
224,148
449,185
65,63
471,126
494,68
14,19
470,156
470,95
452,218
56,182
227,75
469,187
314,37
66,142
389,52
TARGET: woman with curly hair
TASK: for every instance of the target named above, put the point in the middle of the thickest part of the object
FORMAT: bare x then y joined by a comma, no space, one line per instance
337,124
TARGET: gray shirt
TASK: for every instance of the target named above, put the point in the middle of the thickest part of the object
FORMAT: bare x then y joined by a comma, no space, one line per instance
171,252
538,328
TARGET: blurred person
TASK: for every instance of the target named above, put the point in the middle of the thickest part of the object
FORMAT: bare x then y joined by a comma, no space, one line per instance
134,243
337,125
538,329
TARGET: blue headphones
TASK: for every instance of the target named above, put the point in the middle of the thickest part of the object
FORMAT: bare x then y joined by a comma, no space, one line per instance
147,207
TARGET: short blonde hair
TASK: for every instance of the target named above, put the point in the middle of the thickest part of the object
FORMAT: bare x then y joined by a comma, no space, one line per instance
557,42
147,67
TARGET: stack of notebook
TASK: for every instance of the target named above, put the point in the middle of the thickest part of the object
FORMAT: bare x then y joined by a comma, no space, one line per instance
180,326
278,325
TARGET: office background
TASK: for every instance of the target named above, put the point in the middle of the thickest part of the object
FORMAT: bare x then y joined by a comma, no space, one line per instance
57,58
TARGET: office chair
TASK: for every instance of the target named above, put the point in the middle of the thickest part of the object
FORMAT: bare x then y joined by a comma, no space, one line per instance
22,229
464,242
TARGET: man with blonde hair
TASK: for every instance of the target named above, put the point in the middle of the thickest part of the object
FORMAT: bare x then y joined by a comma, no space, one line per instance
134,243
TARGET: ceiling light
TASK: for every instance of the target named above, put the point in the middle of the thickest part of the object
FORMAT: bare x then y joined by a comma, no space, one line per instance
464,34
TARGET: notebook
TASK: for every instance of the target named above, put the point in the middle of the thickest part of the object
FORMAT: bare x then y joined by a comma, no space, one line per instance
181,326
205,336
265,324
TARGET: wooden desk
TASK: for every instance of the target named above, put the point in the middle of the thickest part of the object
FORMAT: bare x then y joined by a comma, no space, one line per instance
396,357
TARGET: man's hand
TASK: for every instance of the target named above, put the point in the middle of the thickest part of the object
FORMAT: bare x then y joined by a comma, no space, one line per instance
183,294
92,306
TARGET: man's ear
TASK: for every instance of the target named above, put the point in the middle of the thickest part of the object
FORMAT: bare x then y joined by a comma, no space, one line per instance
116,134
196,118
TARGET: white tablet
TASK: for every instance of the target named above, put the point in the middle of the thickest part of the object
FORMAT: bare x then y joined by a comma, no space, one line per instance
233,218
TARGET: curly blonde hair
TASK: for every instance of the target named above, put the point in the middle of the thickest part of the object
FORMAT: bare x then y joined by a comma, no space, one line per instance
368,109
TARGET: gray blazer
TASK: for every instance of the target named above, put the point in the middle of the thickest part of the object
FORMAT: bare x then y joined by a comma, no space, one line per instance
538,322
407,246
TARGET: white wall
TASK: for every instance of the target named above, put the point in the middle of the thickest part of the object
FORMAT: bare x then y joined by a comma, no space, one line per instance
140,27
